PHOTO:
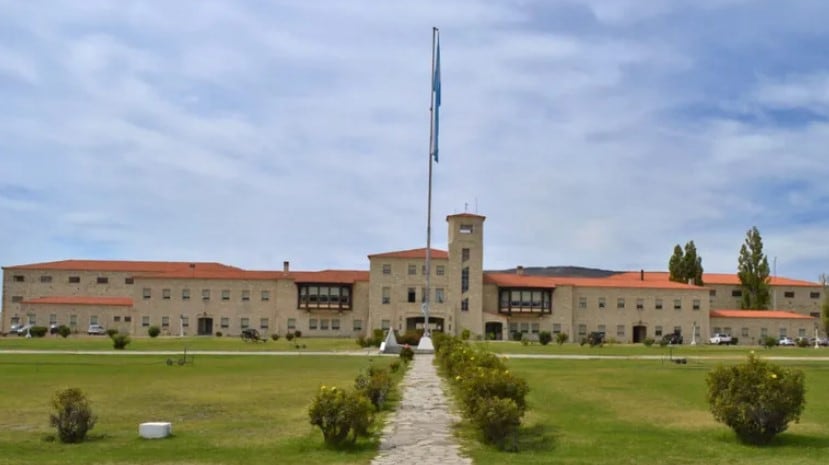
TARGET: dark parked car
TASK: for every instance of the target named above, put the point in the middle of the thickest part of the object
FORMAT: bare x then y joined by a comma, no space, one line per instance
673,338
596,338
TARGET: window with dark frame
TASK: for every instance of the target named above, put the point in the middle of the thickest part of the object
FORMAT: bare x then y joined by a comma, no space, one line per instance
410,295
102,280
324,296
525,301
465,279
74,279
789,294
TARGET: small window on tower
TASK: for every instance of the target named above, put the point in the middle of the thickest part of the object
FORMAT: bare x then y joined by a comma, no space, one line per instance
466,229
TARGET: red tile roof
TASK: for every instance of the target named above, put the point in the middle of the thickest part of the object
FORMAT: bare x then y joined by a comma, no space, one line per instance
123,265
708,278
330,276
82,300
776,314
412,253
516,280
325,276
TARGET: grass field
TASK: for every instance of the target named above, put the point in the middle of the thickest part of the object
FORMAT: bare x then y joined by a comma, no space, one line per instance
227,343
646,411
224,410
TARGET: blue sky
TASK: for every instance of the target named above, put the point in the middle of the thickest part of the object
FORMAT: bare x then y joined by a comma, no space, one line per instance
593,133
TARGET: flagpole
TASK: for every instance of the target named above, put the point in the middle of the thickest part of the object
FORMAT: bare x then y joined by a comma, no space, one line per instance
425,342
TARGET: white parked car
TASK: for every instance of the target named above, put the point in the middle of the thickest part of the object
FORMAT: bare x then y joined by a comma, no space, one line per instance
786,341
96,330
720,338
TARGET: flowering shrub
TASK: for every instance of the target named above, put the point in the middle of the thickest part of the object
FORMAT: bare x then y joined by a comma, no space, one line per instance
498,420
375,384
342,416
756,399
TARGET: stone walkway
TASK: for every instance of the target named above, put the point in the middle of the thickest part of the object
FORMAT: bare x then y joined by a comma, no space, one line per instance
420,431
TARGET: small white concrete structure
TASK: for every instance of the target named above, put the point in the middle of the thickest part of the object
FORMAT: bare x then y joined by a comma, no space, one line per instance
155,429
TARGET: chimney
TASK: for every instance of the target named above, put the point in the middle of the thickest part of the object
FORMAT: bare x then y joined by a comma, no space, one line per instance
286,266
519,270
641,275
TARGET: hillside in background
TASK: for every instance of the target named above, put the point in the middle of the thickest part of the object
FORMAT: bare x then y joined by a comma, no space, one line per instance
571,271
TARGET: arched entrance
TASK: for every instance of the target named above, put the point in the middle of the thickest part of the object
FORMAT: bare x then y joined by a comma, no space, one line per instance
415,323
640,332
494,330
205,327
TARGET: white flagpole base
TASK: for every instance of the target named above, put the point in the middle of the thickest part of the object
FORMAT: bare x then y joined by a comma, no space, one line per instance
425,345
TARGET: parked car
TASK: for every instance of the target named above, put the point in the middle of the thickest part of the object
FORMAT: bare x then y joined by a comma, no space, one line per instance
720,339
23,330
821,341
96,330
13,328
673,338
786,341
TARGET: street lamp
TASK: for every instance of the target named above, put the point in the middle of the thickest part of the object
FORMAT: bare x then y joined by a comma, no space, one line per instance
694,334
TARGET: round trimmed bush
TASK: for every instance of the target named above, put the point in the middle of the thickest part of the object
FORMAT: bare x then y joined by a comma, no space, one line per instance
153,331
544,337
64,331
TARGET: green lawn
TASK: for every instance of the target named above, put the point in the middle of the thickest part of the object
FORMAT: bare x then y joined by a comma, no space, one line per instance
224,410
227,343
645,411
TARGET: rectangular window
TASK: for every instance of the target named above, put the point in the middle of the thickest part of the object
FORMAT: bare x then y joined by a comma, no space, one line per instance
513,328
165,321
53,319
727,330
244,323
386,295
335,324
525,327
312,323
744,332
801,332
424,294
640,304
225,294
17,298
534,328
423,270
93,319
357,325
466,229
464,254
245,295
814,295
225,322
386,268
412,269
602,329
736,293
620,330
185,322
145,321
716,330
324,324
102,280
620,303
411,295
266,296
129,280
764,332
205,294
657,331
677,329
712,293
146,293
789,294
385,324
582,302
439,297
582,330
465,304
166,294
263,323
291,323
440,270
128,319
602,302
696,304
782,332
465,279
185,294
116,318
556,328
814,314
73,320
46,279
677,304
658,304
74,279
19,278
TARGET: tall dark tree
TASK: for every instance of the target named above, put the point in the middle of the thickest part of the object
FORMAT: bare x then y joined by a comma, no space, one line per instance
686,265
753,271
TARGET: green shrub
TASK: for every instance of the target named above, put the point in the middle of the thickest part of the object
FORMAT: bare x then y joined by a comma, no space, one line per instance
734,341
803,342
289,336
341,415
768,342
153,331
465,334
483,383
111,332
409,337
64,331
498,420
297,334
73,417
275,336
561,338
394,366
756,399
219,334
120,341
516,335
375,384
649,341
406,354
544,337
38,331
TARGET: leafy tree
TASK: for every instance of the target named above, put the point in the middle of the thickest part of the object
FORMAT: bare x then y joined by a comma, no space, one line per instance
686,265
753,271
72,417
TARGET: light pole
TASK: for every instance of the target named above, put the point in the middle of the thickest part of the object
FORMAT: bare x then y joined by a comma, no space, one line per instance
817,340
694,334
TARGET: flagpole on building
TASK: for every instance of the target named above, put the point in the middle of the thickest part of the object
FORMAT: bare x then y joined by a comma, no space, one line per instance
425,343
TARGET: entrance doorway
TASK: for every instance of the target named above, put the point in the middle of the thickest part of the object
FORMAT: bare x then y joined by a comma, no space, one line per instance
494,330
415,323
640,333
205,326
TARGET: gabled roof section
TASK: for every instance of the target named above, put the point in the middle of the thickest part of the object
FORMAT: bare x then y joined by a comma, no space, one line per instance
729,279
773,314
123,265
517,280
412,253
82,300
228,274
